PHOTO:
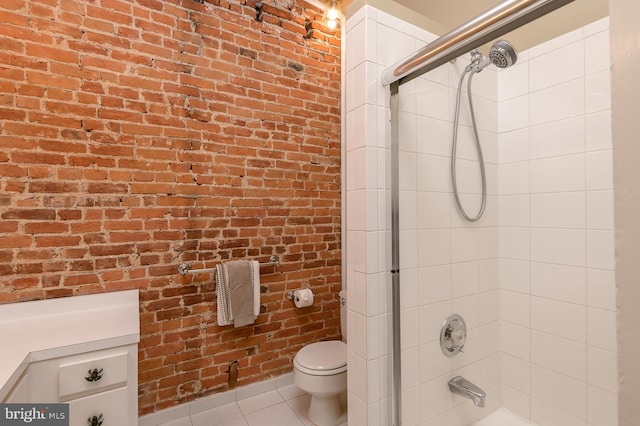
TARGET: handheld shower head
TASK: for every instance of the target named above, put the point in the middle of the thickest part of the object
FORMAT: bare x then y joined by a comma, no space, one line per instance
501,54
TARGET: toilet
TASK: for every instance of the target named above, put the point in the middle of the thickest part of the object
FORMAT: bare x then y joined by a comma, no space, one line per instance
320,369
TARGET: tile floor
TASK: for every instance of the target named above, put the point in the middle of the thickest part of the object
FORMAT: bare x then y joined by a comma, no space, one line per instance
284,406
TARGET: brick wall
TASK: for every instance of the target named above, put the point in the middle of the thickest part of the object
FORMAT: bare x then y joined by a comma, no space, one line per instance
135,135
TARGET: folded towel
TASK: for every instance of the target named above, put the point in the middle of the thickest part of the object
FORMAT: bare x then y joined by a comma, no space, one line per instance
238,287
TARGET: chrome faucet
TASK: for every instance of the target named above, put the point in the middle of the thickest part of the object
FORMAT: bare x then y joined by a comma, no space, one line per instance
461,386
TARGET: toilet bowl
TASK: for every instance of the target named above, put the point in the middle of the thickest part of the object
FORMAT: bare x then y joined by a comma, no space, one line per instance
320,369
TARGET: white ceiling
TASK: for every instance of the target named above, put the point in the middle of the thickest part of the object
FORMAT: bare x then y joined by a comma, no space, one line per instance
450,14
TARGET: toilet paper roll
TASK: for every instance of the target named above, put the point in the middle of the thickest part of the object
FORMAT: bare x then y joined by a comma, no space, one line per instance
303,297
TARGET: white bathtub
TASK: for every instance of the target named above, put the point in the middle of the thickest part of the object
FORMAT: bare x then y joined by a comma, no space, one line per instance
503,417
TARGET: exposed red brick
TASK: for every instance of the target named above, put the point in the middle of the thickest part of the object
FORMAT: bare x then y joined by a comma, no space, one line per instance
138,135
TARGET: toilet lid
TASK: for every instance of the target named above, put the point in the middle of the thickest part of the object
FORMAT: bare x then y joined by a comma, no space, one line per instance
322,358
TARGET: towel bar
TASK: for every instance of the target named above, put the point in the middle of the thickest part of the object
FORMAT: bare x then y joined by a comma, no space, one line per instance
185,268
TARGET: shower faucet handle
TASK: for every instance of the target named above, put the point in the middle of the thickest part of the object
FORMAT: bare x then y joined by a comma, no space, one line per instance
453,335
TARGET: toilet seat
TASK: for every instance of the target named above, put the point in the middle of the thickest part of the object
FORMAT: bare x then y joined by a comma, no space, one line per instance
322,358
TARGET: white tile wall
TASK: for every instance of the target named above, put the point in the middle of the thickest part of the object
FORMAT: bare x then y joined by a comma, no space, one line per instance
566,217
533,277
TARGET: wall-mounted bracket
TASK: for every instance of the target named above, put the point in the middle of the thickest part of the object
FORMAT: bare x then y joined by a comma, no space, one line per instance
258,7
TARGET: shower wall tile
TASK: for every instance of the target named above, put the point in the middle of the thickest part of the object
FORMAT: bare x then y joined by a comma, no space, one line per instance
559,282
555,103
513,178
434,284
562,137
599,166
513,82
601,329
546,414
468,178
513,146
515,308
392,45
484,88
464,280
600,249
432,363
398,25
489,310
515,275
433,210
558,66
407,131
362,44
515,340
430,170
407,98
408,212
514,243
558,174
516,373
559,318
597,51
464,244
559,391
434,247
490,147
432,99
490,342
556,43
563,356
517,402
602,407
469,308
602,369
489,274
598,131
601,289
514,210
569,275
513,114
488,247
558,210
598,91
466,145
433,136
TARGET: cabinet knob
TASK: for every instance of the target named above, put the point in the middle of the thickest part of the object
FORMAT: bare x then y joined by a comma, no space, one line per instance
94,375
95,420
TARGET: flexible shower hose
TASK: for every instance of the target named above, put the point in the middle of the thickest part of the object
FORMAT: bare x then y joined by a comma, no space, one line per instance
454,144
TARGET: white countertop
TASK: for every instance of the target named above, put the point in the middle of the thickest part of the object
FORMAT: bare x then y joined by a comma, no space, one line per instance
46,329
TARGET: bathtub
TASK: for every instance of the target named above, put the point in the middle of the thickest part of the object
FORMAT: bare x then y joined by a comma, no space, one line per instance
503,417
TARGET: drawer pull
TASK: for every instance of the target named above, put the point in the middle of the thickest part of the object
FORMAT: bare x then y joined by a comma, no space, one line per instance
94,375
95,421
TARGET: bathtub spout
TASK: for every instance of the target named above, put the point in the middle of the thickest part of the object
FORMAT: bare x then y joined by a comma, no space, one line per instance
461,386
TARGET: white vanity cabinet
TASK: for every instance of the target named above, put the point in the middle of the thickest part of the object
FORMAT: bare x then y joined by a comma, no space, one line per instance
86,355
101,384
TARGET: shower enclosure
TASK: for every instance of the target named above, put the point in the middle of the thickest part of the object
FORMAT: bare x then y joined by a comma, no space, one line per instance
533,277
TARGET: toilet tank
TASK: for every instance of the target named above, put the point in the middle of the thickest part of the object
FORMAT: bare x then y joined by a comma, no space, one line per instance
343,314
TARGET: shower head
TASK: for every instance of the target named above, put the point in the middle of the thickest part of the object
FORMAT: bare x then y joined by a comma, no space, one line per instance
501,54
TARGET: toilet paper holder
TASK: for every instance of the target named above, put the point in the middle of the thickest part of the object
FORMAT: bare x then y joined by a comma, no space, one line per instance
307,298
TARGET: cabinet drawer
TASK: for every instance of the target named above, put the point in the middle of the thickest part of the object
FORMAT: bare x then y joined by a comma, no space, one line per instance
94,374
110,406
